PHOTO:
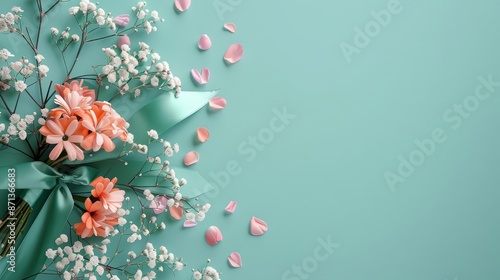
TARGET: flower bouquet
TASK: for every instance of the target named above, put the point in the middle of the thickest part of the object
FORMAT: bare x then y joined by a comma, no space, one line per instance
80,152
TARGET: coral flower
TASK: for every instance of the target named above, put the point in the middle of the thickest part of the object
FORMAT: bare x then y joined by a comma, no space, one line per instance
101,130
65,133
73,99
119,125
74,86
96,221
111,198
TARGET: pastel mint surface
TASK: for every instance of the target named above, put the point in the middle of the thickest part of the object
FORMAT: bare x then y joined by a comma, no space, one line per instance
320,116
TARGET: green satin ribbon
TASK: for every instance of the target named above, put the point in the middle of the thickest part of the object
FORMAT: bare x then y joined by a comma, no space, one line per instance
161,114
50,221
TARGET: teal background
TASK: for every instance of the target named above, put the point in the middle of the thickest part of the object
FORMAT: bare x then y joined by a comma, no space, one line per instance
323,175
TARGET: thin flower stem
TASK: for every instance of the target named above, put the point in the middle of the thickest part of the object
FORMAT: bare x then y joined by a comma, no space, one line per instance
5,103
9,146
51,7
29,94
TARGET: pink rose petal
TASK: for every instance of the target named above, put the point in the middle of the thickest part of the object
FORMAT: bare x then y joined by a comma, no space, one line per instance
229,26
234,53
235,259
213,235
204,43
257,226
191,158
231,207
217,103
203,134
122,20
176,212
201,78
189,224
182,5
124,40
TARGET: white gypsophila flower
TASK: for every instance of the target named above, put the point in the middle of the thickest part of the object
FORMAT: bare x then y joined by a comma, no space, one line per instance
50,253
39,58
75,38
148,27
178,196
100,20
42,70
5,73
190,216
54,31
138,275
200,216
22,125
155,15
20,86
29,119
9,18
153,134
3,25
41,121
45,112
16,66
197,275
77,246
5,54
16,10
112,77
154,81
65,34
137,92
178,265
100,270
74,10
2,127
14,118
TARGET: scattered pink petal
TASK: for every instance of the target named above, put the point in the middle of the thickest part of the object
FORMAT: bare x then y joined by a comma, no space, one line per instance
124,40
257,226
122,20
229,26
213,235
182,5
189,224
203,134
176,212
235,259
191,158
159,204
204,43
217,103
234,53
231,207
201,78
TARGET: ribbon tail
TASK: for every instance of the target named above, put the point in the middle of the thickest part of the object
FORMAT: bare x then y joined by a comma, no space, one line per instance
47,226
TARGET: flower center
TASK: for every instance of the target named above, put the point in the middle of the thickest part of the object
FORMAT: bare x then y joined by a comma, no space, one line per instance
65,137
